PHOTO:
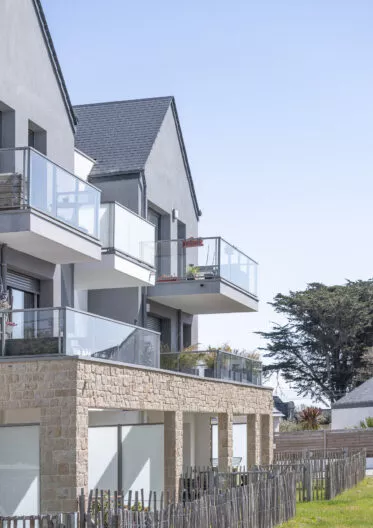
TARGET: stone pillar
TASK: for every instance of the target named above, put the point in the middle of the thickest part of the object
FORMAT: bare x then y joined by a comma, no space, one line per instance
225,441
173,450
266,439
63,453
253,439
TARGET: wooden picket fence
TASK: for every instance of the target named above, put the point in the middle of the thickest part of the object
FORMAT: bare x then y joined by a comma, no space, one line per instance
320,478
262,497
264,504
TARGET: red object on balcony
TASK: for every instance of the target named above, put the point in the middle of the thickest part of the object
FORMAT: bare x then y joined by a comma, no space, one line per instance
193,242
165,278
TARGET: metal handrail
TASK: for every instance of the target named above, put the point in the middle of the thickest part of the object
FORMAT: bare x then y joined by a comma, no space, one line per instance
12,149
129,210
208,238
70,309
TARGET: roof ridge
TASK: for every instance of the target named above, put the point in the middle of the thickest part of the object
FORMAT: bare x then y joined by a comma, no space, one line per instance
170,97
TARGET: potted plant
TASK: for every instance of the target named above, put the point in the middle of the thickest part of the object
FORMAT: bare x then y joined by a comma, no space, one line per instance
192,272
210,359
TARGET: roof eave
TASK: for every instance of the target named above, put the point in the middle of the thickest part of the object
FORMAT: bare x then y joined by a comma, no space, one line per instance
352,405
185,159
55,63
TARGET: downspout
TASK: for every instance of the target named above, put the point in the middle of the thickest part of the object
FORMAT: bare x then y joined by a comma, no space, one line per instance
144,195
3,271
179,342
144,289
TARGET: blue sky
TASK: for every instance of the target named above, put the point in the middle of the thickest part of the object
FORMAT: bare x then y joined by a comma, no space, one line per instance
275,102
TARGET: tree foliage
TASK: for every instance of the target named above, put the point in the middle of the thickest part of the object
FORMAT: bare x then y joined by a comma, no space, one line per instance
321,349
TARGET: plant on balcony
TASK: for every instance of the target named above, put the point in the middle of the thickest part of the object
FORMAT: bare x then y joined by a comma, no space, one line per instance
170,361
210,359
192,272
4,299
189,357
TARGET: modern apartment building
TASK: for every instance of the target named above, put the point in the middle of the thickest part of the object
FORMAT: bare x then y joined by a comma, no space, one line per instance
103,276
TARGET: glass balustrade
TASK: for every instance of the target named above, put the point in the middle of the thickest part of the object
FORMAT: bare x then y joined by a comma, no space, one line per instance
216,364
205,259
48,331
127,233
29,179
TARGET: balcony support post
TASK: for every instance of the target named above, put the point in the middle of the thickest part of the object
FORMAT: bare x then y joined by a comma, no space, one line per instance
266,433
225,441
253,440
173,451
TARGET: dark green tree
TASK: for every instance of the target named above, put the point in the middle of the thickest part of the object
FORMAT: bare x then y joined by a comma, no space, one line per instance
320,350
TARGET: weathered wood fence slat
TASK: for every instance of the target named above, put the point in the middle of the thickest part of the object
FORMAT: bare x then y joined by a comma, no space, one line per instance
324,440
262,497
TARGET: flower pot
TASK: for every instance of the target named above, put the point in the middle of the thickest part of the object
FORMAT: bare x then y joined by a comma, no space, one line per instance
192,242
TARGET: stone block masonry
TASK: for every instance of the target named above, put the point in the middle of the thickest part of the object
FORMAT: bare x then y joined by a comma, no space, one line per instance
63,389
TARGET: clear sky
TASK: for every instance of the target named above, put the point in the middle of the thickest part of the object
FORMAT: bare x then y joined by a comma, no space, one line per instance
275,99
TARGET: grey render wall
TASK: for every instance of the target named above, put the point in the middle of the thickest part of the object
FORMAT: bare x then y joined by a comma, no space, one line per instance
123,304
172,315
28,83
126,190
166,178
167,188
48,274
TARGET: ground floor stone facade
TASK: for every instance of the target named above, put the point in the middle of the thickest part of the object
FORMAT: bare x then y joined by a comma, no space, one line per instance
62,390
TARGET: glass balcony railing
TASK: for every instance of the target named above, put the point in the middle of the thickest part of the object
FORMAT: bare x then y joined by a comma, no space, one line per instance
29,179
205,258
47,331
216,364
127,232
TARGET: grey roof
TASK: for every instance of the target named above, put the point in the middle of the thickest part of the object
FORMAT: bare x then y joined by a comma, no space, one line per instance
362,396
54,60
119,135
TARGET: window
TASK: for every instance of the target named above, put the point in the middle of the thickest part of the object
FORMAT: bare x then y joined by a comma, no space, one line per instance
155,218
187,335
163,326
23,294
31,138
37,137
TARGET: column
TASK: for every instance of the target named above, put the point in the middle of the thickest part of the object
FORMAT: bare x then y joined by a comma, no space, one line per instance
173,450
225,441
63,454
266,439
253,439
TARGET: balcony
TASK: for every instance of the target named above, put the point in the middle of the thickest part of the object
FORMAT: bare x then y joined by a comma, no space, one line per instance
65,331
217,364
204,276
46,211
128,253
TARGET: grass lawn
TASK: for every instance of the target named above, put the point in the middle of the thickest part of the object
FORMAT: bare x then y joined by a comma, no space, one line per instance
354,508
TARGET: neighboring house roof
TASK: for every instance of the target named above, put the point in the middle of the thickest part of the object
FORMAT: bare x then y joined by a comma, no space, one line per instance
276,413
54,60
286,408
120,135
362,396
